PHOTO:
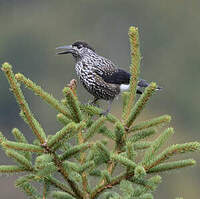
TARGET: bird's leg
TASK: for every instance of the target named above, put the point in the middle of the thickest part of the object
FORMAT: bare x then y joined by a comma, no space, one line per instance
108,109
93,103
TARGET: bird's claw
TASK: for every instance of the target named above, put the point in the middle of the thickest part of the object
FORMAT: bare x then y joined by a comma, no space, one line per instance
104,113
93,104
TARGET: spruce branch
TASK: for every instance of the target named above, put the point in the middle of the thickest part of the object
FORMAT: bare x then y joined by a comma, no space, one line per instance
61,134
139,106
106,176
142,135
126,188
92,110
101,147
148,184
45,189
19,159
125,98
134,69
61,195
124,161
74,150
73,104
173,150
140,191
44,166
150,154
119,138
73,131
172,165
22,146
33,123
61,186
21,138
43,94
63,119
74,186
130,151
84,165
94,127
110,168
8,169
115,181
107,133
73,85
23,184
120,134
140,145
151,123
71,166
139,172
2,138
111,194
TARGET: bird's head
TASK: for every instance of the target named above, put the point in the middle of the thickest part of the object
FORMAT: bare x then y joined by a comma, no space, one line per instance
77,49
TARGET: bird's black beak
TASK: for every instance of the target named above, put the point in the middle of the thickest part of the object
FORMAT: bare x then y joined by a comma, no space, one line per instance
66,50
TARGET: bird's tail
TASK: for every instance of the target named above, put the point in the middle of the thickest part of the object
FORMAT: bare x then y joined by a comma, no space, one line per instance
143,84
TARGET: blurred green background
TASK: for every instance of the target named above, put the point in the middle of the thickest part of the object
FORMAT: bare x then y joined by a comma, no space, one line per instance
170,45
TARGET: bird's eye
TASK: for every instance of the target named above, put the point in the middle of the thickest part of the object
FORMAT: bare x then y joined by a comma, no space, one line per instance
79,46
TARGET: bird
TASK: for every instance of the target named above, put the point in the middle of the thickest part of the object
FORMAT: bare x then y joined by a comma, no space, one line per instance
99,75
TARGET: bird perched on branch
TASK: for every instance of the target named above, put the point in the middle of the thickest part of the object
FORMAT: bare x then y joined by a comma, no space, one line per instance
100,76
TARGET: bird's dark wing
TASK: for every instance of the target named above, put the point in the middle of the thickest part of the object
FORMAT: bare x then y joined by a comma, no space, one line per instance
115,76
118,76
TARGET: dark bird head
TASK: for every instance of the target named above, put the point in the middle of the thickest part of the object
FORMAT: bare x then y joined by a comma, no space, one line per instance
77,49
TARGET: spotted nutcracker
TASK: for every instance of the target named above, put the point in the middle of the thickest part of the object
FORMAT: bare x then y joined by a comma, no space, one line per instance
100,76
